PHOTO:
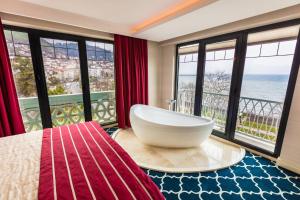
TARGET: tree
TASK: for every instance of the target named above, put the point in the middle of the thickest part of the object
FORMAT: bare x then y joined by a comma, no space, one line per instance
218,82
54,84
52,79
59,89
24,76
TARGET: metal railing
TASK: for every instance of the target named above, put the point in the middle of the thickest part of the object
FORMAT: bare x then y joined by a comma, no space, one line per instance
257,118
68,109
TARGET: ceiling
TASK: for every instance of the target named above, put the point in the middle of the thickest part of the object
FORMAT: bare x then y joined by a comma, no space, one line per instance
160,19
128,12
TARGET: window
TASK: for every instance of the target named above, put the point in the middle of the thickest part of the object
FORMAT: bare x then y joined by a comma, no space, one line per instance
23,73
102,81
187,71
217,81
264,86
61,89
244,81
62,70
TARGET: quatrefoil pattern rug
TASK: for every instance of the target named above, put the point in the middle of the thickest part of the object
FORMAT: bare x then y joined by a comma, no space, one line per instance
254,178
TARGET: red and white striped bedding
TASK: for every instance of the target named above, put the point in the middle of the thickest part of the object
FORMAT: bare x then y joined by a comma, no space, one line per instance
81,161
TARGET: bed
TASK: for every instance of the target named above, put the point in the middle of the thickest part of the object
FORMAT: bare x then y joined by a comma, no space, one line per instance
78,161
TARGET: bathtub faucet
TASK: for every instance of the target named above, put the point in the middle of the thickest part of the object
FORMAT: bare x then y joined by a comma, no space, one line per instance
172,104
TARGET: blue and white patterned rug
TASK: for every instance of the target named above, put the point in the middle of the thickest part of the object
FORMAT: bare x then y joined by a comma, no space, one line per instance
254,178
111,130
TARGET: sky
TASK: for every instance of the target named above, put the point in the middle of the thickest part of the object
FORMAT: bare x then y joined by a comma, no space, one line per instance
263,65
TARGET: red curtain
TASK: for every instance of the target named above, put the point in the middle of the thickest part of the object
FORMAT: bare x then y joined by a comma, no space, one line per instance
131,63
10,116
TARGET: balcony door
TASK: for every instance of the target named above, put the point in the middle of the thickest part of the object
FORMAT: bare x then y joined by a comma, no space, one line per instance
216,77
101,81
186,78
265,80
63,78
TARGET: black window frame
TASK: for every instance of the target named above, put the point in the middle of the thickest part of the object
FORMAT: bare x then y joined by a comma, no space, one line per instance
34,36
236,81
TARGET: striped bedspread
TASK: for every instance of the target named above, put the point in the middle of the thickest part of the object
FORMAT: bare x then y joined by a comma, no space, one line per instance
81,161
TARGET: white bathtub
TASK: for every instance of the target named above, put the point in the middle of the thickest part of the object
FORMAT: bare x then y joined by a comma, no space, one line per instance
164,128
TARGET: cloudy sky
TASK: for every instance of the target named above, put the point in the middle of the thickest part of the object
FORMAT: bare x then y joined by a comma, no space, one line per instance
262,65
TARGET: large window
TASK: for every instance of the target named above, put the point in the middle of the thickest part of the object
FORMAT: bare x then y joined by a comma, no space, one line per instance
21,62
102,82
244,81
267,70
187,71
75,77
217,80
62,70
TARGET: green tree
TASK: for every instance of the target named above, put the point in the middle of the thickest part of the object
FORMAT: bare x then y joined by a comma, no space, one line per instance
24,76
52,79
59,89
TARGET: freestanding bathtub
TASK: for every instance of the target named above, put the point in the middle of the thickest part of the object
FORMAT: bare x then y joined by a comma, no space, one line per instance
164,128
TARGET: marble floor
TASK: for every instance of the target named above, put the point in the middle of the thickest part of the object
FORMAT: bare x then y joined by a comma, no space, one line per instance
210,155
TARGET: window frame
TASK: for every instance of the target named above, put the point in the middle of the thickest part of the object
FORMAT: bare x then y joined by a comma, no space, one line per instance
34,36
237,78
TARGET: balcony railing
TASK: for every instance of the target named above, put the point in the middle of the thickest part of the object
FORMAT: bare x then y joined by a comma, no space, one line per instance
257,118
67,109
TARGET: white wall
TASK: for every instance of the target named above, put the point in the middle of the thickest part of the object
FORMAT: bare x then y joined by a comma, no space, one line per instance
167,75
290,153
154,61
28,22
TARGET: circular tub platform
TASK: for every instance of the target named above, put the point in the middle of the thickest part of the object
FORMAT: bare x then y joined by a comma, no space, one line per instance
211,155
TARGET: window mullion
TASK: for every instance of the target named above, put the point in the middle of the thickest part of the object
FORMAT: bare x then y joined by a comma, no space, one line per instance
199,79
38,67
85,80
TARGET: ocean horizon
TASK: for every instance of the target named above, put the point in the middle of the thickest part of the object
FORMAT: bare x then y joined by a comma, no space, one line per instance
260,86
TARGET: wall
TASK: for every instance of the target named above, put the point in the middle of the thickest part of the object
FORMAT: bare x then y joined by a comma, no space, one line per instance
28,22
32,10
260,20
167,75
290,152
290,156
154,60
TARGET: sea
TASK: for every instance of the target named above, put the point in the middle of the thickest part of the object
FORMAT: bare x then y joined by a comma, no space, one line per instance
263,86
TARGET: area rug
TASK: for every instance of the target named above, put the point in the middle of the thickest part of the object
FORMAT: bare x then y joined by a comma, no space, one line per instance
254,178
210,155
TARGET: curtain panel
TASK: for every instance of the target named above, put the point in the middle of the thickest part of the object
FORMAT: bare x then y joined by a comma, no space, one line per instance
11,122
131,65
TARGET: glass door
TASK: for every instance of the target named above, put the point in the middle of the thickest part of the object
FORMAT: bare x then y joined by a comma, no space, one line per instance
265,80
102,81
217,75
186,78
63,78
